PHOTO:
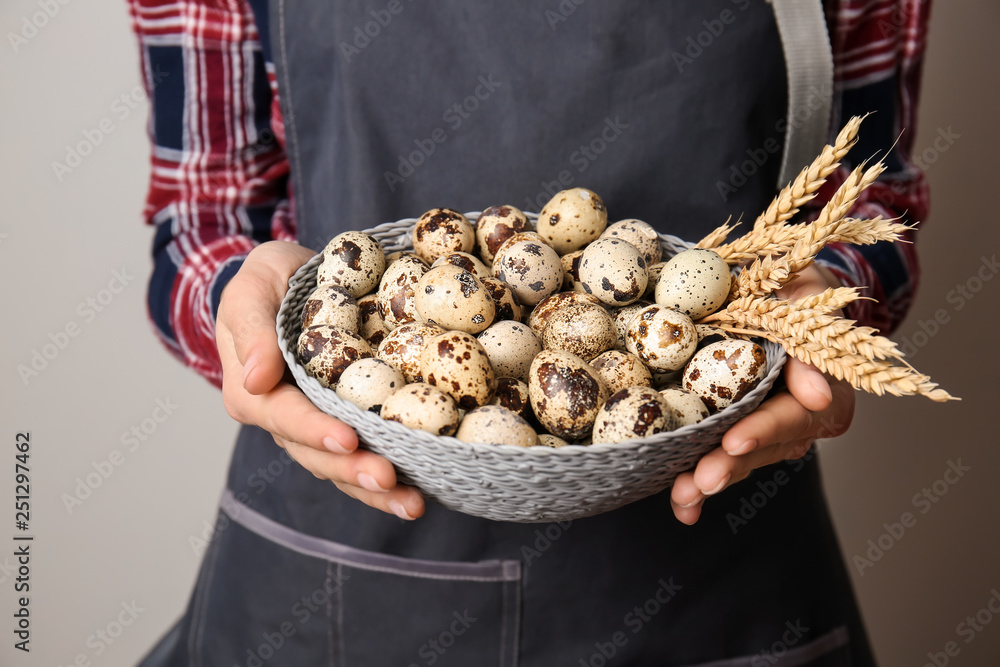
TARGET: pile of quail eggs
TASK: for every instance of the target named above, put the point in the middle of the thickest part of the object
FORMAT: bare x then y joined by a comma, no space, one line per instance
574,332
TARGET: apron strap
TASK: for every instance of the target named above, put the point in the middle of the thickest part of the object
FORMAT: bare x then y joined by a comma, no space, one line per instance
809,63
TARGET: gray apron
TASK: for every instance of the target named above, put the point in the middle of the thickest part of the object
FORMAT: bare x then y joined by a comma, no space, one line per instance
672,111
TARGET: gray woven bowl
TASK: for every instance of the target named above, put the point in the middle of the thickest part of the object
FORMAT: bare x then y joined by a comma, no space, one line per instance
503,482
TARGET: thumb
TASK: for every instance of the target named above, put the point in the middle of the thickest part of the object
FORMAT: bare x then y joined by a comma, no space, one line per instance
248,310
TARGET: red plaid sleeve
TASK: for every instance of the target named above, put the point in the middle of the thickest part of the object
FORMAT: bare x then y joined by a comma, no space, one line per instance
219,173
878,54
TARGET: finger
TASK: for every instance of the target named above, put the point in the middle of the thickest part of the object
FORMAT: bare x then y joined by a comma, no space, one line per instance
287,413
249,307
361,468
808,385
404,501
778,419
718,469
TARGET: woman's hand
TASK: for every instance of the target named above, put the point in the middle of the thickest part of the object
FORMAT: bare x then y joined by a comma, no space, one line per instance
255,392
782,428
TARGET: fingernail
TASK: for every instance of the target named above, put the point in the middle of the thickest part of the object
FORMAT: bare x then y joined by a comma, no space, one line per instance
718,487
819,383
249,367
700,499
334,446
368,482
744,448
400,511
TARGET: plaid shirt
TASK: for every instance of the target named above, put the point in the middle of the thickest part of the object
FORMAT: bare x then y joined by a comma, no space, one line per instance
219,183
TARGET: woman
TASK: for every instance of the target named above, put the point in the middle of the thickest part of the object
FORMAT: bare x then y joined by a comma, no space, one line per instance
677,114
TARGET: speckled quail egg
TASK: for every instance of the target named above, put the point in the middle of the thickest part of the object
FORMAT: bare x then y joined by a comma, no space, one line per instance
508,307
495,425
572,219
622,317
456,363
613,271
687,408
621,370
399,254
403,345
510,347
640,234
571,271
566,393
453,298
371,325
494,226
396,292
532,270
550,305
725,372
663,379
663,338
326,352
634,412
353,260
585,330
709,333
695,282
464,260
512,394
653,272
440,231
549,440
331,305
423,407
368,382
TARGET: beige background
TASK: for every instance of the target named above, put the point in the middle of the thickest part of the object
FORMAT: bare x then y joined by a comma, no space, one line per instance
130,540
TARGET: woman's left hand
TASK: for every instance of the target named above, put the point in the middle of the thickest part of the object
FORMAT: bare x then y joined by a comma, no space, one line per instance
782,428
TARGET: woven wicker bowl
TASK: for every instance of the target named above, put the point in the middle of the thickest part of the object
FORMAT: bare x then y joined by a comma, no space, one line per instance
503,482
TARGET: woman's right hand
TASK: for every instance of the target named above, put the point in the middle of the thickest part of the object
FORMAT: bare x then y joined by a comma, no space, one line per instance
256,392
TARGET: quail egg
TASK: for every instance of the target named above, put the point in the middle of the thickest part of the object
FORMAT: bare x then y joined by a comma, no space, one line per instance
402,347
695,282
613,271
635,412
331,305
621,370
493,424
440,231
353,260
566,393
622,317
549,440
464,260
494,226
510,347
584,330
371,325
368,382
532,270
512,394
724,372
571,271
396,295
641,235
457,364
453,298
326,352
687,408
663,338
508,307
653,272
552,304
572,219
423,407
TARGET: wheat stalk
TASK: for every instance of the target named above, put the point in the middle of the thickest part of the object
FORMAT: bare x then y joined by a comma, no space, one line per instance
769,225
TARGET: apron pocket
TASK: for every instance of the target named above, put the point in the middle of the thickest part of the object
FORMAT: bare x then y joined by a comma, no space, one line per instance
390,610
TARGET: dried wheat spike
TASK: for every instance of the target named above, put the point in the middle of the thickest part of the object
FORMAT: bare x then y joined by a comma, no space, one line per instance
717,235
790,200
